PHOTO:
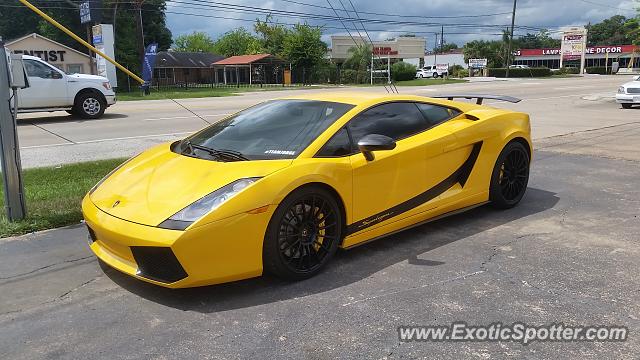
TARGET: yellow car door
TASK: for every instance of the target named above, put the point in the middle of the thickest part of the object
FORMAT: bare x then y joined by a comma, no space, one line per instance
404,181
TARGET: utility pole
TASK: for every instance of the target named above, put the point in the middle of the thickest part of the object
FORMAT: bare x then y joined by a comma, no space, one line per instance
435,51
9,148
513,23
442,38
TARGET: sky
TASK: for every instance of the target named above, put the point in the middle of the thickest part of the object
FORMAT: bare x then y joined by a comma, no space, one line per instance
216,17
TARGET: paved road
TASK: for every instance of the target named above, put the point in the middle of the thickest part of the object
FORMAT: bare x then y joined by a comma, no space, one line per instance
569,253
130,127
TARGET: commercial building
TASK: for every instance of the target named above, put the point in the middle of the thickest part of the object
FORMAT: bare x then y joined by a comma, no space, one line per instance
452,57
184,68
61,56
401,48
595,56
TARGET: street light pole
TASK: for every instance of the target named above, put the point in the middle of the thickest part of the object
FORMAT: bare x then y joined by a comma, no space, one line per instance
513,23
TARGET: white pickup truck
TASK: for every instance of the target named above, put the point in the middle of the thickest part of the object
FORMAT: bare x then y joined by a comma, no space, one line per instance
50,89
432,71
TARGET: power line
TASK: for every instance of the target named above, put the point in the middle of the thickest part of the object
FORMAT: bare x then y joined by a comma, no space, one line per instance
403,15
607,5
325,26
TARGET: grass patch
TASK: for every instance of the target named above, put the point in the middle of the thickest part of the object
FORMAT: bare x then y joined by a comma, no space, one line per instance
177,94
206,92
427,82
53,195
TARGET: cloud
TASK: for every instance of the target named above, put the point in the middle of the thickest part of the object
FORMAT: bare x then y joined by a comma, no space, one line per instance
533,14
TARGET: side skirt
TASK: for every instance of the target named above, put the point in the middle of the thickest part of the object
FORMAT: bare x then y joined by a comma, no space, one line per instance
450,213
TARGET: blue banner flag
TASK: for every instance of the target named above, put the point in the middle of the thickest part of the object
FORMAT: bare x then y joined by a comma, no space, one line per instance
149,63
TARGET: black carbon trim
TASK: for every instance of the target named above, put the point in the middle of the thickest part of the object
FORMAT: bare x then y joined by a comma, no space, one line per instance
461,175
158,263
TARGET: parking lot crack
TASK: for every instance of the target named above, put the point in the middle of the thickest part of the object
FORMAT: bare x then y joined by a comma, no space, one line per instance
44,267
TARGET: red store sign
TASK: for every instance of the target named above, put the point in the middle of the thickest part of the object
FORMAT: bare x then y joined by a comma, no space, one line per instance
613,49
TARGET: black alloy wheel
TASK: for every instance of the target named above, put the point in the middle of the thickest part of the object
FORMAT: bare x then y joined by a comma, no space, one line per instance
303,234
510,176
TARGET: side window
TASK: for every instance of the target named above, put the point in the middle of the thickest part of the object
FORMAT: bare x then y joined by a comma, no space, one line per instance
395,120
435,114
37,69
338,145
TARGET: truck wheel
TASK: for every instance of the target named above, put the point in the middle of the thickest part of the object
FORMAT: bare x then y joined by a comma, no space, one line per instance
435,75
89,105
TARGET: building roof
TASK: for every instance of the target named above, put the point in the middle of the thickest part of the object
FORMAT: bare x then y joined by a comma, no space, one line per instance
242,59
38,36
177,59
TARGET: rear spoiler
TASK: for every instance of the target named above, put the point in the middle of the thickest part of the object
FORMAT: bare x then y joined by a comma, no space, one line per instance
479,98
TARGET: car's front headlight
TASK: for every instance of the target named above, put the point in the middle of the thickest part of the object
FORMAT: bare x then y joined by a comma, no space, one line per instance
185,217
621,90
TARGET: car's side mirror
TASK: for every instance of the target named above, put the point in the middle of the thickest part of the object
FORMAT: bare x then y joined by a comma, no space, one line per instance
375,142
55,75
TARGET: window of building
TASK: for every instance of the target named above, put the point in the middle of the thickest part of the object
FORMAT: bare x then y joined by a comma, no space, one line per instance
74,68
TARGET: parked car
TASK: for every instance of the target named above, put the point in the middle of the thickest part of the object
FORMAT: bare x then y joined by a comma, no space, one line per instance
431,72
629,93
52,90
252,193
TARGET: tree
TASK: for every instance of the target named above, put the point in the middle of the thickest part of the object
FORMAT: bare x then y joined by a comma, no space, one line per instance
447,47
539,40
359,58
237,42
493,51
303,47
272,35
611,31
197,41
20,21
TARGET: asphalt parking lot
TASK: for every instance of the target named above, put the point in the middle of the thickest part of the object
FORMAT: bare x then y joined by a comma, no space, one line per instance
568,253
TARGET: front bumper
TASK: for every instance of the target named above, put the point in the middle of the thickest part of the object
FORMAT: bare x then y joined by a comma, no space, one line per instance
628,98
225,250
111,99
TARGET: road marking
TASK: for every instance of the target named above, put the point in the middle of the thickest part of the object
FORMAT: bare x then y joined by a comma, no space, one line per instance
184,117
104,140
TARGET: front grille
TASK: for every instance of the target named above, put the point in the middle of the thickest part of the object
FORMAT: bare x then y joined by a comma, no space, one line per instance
158,263
633,90
92,234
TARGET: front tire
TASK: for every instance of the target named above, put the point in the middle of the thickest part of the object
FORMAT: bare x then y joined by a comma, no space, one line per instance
435,75
510,176
89,105
303,234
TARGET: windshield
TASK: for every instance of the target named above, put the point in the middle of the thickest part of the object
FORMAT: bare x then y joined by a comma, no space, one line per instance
278,129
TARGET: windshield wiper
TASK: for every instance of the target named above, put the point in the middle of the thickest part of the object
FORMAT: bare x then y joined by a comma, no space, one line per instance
219,153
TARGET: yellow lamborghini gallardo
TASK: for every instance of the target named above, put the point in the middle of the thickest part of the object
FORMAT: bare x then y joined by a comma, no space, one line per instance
280,186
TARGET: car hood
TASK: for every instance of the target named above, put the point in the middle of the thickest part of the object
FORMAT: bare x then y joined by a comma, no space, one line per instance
158,183
87,77
632,84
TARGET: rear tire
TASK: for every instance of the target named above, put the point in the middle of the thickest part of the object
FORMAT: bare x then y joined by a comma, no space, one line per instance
626,106
510,176
89,105
303,234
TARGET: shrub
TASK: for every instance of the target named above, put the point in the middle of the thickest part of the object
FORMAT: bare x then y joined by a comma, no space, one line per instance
350,76
567,70
531,72
454,70
403,71
598,70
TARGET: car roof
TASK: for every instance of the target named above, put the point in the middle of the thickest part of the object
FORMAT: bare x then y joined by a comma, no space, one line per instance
367,98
